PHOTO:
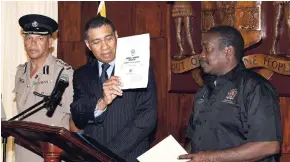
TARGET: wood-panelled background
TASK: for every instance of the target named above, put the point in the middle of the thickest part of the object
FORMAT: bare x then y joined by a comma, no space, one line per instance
132,18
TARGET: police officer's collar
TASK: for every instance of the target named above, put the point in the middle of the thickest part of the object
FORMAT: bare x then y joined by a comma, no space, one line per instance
45,68
49,59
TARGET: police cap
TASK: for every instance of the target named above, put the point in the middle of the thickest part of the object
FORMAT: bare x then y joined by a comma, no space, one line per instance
37,24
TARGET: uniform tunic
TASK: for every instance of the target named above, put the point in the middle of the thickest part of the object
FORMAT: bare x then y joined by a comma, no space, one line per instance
43,82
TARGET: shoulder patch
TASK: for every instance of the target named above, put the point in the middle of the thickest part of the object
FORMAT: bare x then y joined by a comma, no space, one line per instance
62,63
22,67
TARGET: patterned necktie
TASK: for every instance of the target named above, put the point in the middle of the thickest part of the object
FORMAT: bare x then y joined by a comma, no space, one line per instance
104,75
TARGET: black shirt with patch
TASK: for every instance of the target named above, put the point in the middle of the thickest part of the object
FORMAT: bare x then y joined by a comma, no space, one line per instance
235,109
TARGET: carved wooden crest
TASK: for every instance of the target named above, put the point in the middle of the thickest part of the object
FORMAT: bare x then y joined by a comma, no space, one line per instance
248,19
245,16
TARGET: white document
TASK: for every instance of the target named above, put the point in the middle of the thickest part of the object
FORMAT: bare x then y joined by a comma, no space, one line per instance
165,151
132,61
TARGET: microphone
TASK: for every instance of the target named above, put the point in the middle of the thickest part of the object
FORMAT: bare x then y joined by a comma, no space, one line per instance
56,94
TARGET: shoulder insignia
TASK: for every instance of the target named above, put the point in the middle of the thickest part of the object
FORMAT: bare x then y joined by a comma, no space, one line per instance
62,63
45,69
22,67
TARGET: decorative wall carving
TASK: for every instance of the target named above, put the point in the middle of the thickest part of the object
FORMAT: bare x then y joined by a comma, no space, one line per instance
281,12
270,62
208,19
182,12
247,18
226,12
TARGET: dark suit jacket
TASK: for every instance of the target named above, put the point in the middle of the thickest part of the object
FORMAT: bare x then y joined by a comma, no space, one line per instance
126,124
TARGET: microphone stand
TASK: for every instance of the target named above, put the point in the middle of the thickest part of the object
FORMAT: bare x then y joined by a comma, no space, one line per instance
44,103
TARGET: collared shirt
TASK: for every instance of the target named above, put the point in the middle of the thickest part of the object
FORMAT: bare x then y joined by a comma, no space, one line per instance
109,72
110,69
240,107
43,82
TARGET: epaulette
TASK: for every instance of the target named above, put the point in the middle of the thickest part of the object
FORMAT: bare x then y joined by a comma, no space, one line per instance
22,66
63,64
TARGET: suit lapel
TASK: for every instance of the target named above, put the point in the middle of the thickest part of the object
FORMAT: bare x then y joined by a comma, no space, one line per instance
94,79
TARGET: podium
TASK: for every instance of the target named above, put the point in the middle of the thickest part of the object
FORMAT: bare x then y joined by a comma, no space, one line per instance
56,143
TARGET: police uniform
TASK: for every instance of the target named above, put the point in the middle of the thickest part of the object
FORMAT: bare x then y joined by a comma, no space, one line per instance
235,109
43,82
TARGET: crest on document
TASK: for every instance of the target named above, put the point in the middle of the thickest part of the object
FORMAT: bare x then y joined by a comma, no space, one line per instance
230,96
133,52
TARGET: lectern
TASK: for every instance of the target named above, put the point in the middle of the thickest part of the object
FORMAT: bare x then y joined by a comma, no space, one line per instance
56,143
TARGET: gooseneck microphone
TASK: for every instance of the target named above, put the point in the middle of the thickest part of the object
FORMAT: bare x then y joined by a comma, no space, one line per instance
56,94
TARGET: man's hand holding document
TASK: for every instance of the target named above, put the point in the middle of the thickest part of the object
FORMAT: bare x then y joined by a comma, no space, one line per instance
167,150
132,61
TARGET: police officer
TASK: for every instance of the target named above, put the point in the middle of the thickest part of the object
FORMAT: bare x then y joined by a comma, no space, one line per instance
236,113
39,75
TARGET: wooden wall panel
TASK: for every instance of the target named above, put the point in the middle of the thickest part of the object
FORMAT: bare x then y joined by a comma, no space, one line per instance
285,158
89,10
285,115
158,50
149,15
123,20
179,109
69,21
73,53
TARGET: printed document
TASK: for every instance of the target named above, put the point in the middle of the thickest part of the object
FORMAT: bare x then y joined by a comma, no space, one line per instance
132,61
167,150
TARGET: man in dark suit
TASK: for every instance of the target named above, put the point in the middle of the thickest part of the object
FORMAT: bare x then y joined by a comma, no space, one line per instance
120,120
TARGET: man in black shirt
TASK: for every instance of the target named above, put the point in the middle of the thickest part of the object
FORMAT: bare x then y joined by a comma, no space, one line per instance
236,114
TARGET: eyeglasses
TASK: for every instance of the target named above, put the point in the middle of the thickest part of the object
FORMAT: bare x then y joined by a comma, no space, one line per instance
107,39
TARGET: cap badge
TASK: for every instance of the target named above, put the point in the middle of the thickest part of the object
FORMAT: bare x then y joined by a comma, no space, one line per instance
34,24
